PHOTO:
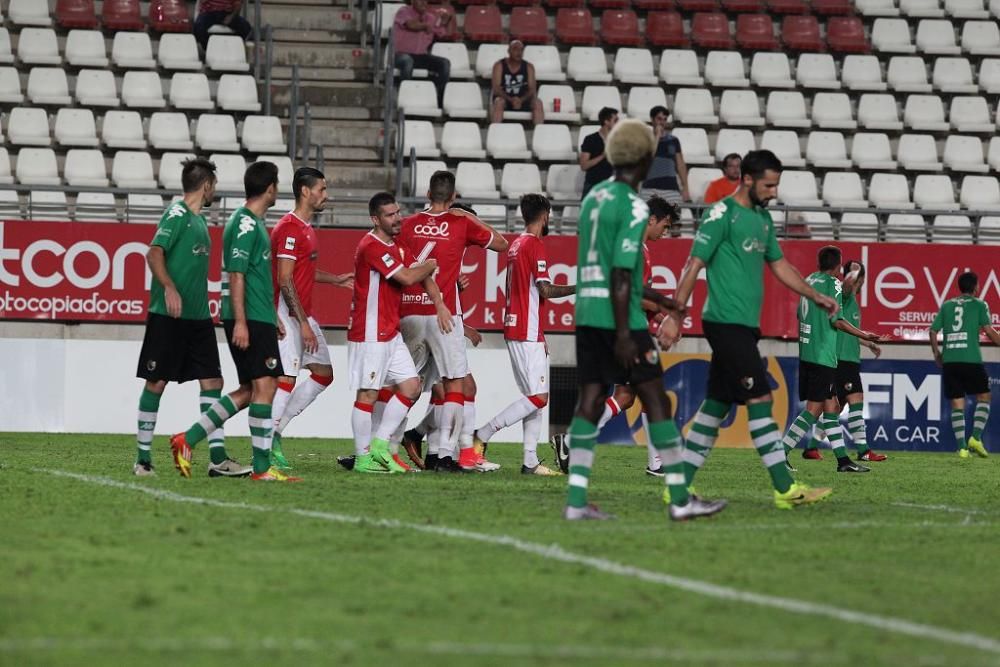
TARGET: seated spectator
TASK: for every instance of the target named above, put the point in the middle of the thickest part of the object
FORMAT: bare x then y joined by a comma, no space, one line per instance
667,176
592,160
413,33
514,85
220,12
721,188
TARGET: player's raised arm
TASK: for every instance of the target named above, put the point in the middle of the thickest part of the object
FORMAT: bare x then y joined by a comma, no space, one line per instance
345,280
848,328
411,275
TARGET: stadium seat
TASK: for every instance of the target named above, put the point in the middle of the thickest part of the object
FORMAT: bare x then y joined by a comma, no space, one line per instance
389,10
95,207
458,55
483,24
641,100
694,106
169,16
37,166
85,48
635,66
679,67
476,180
925,113
170,169
189,90
876,8
552,142
229,171
596,98
122,15
786,109
28,127
123,129
858,227
418,136
96,88
966,9
142,90
871,150
711,31
75,127
226,53
846,34
771,70
547,95
801,33
575,25
934,192
817,70
584,132
962,153
421,175
784,144
529,25
694,142
698,5
545,58
47,205
798,188
29,12
954,75
6,55
993,154
920,8
133,169
918,152
487,55
892,36
755,32
951,229
10,86
832,7
905,227
6,177
587,63
419,98
740,108
733,141
666,29
564,181
843,190
971,114
878,111
788,6
237,92
262,134
698,180
143,208
620,27
981,38
178,51
980,193
169,132
462,99
38,46
724,69
907,74
132,50
833,111
862,73
85,168
286,170
216,132
937,37
507,141
889,191
520,179
827,150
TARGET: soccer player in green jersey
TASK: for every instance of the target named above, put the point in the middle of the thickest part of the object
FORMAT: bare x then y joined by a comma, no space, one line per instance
818,344
252,328
734,241
613,343
179,343
962,319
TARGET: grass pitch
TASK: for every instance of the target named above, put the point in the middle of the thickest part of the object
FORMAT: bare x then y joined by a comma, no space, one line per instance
219,571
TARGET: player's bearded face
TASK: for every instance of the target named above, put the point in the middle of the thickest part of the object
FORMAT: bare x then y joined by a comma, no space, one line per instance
389,220
318,196
765,188
209,194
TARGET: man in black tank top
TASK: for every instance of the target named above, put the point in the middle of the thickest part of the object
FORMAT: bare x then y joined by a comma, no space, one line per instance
514,85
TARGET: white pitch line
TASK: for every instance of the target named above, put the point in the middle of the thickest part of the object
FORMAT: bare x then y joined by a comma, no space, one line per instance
557,553
942,508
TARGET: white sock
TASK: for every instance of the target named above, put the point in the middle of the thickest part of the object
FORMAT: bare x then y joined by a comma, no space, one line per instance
611,409
361,424
216,437
652,456
305,393
512,414
426,424
451,425
280,404
378,409
468,423
434,434
393,416
532,425
397,437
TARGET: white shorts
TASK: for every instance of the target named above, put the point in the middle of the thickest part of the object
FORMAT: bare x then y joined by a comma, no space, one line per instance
293,357
531,366
375,365
424,340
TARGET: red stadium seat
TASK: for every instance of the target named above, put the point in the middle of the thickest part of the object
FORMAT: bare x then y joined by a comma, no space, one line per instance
743,6
447,13
653,5
76,14
787,6
756,31
846,34
711,31
801,33
483,24
529,25
620,27
474,2
122,15
610,4
832,7
518,2
666,29
575,26
556,4
169,16
698,5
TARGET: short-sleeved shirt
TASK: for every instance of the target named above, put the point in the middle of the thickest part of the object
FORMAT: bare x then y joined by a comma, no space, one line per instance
527,265
593,144
663,172
719,189
183,235
613,220
961,319
246,249
295,239
848,346
414,42
444,237
817,335
734,242
377,297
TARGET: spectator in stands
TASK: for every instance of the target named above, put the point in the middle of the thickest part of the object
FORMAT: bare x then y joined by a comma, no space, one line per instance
668,174
514,85
413,33
592,159
220,12
721,188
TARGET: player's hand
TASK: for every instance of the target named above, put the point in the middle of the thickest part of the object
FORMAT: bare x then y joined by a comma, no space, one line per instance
474,336
345,280
669,305
463,282
174,303
879,338
309,342
281,330
516,102
445,322
241,335
669,332
626,351
829,304
876,350
433,264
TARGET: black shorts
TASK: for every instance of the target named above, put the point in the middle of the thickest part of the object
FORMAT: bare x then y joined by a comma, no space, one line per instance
525,104
178,350
262,358
816,383
596,363
737,373
848,380
964,379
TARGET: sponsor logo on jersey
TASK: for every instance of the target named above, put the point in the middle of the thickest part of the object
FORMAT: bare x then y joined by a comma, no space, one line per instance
290,243
511,320
628,245
175,211
247,224
432,229
240,254
388,260
199,250
753,245
542,266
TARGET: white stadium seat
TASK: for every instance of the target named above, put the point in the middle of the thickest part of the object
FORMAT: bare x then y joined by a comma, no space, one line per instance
954,75
925,113
962,153
85,168
458,55
966,9
970,114
798,188
698,180
507,141
95,207
216,132
784,144
178,51
993,154
189,90
75,127
843,190
694,143
980,193
419,98
937,37
6,54
858,227
229,170
989,75
422,174
142,90
418,137
44,204
545,58
123,129
787,109
733,141
29,12
552,142
934,192
587,64
981,38
878,111
679,67
873,8
169,131
596,98
486,57
519,179
889,191
38,46
226,53
871,150
827,150
862,73
771,70
908,74
6,176
462,140
286,170
547,95
37,166
475,180
96,88
171,165
462,99
10,86
951,229
694,106
892,36
48,85
641,100
237,92
85,48
725,69
740,107
132,50
920,8
28,127
564,181
635,66
817,70
918,152
906,227
133,169
833,111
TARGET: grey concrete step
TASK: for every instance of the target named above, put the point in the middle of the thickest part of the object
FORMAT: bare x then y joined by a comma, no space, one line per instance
306,56
352,178
320,18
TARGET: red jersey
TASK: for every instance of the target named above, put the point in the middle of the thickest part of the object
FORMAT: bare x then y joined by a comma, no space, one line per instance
444,237
526,265
375,304
295,239
647,266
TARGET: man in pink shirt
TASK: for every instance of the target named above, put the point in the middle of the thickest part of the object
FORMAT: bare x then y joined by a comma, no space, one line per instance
224,12
412,34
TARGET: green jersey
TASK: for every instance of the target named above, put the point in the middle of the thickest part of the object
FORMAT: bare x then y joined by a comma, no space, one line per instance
734,242
961,319
848,346
613,220
817,335
246,249
183,235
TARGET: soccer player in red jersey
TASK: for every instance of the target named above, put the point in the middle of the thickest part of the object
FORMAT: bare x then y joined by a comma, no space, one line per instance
295,250
442,233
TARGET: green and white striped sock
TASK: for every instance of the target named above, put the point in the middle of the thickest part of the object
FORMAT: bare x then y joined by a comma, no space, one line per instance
816,441
667,440
798,430
214,417
582,438
856,425
217,438
958,428
835,434
261,432
702,436
767,442
149,405
980,418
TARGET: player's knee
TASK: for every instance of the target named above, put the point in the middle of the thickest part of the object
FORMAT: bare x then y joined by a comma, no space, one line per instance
210,384
157,386
410,388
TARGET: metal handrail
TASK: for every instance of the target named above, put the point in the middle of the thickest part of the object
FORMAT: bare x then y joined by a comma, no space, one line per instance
269,57
389,91
376,39
400,149
293,113
363,28
306,130
256,39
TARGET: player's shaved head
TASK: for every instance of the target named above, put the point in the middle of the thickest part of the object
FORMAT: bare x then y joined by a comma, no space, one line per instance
195,172
629,143
968,282
442,187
